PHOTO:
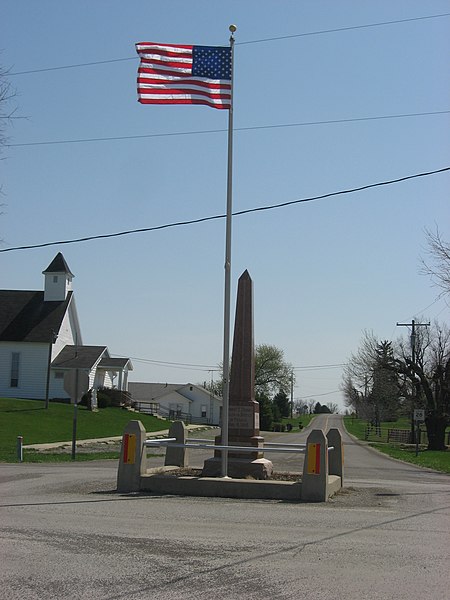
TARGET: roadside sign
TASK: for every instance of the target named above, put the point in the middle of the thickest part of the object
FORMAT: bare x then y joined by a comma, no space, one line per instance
76,384
419,414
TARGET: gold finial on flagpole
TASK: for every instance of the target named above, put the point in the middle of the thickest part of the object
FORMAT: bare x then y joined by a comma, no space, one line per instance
232,28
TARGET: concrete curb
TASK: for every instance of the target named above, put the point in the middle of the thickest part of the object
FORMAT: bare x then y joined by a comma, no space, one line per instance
158,481
321,479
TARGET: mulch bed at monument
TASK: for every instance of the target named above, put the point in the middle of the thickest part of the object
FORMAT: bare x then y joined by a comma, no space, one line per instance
187,472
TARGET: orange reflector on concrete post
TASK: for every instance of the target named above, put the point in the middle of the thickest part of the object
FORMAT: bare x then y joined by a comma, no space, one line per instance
129,448
313,459
133,458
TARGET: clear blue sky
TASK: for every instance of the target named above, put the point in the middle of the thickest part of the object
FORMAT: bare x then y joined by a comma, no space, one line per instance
323,271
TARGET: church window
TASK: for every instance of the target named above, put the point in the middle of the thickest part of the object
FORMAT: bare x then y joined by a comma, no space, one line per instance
15,361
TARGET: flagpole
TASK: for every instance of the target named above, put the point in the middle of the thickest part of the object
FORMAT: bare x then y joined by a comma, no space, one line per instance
227,299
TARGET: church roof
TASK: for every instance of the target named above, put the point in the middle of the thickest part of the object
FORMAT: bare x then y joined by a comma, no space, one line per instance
79,357
155,391
151,391
58,265
25,317
115,363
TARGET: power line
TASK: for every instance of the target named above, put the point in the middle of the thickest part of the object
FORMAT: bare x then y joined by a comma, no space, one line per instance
208,131
318,367
349,28
441,311
75,66
440,296
317,395
165,363
174,366
215,368
216,217
259,41
349,191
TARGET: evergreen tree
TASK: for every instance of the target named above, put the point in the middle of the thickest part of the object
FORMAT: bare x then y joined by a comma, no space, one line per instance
385,388
265,412
281,401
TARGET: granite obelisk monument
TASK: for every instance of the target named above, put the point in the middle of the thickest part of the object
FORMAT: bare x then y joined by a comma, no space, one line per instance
243,408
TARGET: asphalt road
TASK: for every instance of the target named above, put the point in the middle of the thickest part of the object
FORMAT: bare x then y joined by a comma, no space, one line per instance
66,534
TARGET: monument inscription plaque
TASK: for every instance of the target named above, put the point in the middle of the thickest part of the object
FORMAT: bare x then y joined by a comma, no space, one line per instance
243,418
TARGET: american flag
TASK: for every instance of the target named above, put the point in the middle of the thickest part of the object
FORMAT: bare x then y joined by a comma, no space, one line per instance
181,74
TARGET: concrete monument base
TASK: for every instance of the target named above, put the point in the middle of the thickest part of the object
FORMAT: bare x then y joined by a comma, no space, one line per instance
322,474
239,468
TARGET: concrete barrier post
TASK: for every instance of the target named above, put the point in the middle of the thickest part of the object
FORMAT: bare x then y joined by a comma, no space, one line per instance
177,457
315,468
20,448
336,456
133,458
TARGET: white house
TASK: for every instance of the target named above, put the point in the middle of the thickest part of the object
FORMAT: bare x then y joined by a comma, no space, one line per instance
40,340
177,401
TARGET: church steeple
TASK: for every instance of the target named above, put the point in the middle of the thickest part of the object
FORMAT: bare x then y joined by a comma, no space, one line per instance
58,279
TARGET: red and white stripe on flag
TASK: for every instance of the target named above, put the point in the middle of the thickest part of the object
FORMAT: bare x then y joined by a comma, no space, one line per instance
166,75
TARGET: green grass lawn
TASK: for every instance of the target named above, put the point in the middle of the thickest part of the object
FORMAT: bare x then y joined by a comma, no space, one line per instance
358,427
440,461
38,425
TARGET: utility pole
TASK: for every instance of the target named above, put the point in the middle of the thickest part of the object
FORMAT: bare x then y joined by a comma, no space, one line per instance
413,326
292,394
49,364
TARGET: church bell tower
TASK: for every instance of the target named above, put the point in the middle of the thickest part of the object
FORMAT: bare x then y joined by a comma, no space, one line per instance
58,280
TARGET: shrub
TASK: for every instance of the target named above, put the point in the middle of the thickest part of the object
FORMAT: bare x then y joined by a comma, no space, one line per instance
104,400
278,427
107,397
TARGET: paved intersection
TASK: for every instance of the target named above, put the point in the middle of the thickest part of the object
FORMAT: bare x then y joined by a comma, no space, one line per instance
64,533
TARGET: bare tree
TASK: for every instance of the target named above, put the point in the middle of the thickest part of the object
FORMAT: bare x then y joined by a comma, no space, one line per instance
359,366
353,398
439,267
370,384
300,407
429,374
311,404
358,376
7,93
422,376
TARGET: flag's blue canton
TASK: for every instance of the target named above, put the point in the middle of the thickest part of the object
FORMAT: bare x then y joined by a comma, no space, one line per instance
213,62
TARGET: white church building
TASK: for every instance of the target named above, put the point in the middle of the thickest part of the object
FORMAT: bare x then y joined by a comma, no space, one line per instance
40,341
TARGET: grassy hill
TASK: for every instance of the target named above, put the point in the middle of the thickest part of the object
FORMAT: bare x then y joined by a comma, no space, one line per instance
38,425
